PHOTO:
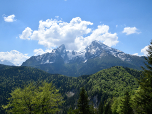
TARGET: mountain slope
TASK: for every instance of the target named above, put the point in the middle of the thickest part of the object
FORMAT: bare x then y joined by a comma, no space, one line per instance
110,82
93,58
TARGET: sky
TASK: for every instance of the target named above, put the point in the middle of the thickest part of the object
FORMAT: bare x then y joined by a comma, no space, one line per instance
33,27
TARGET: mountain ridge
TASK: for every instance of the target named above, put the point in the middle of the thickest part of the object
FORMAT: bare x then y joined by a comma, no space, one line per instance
60,60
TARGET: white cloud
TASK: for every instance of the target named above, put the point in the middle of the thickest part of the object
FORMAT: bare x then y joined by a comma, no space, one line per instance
9,18
75,34
130,30
14,56
136,54
144,50
101,33
26,33
40,51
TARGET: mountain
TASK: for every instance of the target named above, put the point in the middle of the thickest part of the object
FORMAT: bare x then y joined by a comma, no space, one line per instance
93,58
6,62
106,83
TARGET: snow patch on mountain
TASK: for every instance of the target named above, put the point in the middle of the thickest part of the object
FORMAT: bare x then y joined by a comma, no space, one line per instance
73,54
95,49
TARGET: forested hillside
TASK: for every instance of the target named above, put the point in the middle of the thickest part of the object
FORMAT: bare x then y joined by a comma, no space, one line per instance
103,84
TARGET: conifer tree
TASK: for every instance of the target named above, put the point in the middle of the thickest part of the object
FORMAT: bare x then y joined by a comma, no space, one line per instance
100,108
143,98
107,108
126,107
92,109
70,111
83,102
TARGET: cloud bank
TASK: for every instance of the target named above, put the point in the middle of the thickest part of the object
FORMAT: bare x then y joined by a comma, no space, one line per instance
130,30
9,18
144,50
76,34
26,33
40,51
14,56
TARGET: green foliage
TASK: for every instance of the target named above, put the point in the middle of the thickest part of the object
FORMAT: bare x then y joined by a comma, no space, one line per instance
113,81
115,107
83,102
92,110
34,99
143,98
122,105
106,83
70,111
107,108
100,107
126,106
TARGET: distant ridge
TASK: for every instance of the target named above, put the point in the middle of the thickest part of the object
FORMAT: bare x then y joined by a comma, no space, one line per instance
94,57
6,62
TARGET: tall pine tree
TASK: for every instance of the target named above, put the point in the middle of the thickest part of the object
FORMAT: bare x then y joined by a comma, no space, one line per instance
143,98
126,106
100,107
83,102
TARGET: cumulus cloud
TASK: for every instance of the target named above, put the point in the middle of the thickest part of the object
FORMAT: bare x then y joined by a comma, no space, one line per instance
26,33
9,18
101,34
75,35
130,30
40,51
144,50
14,56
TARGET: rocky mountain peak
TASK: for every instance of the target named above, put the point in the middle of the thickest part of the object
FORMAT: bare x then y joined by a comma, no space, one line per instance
97,45
61,49
95,49
96,42
94,57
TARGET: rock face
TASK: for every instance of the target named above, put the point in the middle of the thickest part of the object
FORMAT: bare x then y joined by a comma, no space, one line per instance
96,54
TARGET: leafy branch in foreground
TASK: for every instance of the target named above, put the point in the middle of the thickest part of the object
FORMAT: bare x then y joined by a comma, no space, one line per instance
143,97
41,99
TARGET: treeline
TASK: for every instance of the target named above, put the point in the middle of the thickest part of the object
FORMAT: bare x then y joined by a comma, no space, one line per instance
104,84
138,101
116,90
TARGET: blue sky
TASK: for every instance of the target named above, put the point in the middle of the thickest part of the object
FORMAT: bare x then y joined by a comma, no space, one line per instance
32,27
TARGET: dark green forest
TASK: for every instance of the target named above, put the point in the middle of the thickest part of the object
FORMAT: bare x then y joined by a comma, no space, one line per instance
107,83
116,90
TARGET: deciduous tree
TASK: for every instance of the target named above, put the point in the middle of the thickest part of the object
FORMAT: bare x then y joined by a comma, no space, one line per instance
32,99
